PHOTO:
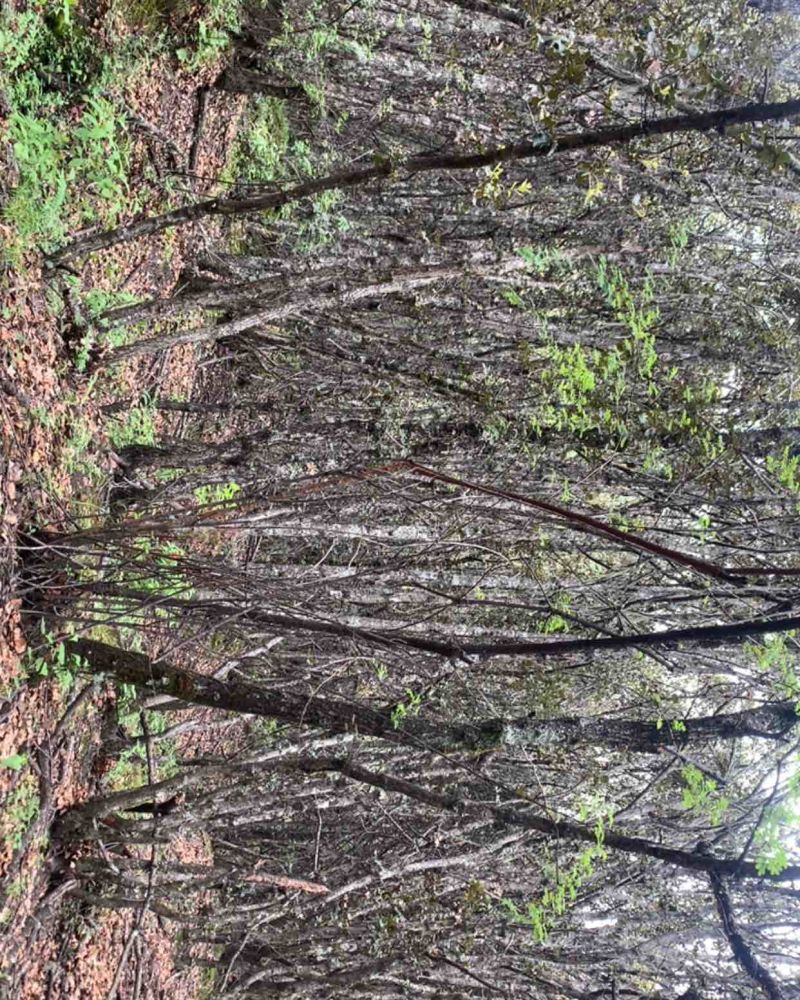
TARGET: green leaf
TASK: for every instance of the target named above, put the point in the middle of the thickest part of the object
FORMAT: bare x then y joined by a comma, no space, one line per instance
15,762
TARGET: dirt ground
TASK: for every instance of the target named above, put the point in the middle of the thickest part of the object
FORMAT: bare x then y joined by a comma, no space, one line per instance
52,943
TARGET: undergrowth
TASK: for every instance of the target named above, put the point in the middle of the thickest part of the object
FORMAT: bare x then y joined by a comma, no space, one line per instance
267,152
67,134
67,140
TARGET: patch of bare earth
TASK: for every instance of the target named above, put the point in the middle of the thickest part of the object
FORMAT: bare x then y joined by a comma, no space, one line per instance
52,943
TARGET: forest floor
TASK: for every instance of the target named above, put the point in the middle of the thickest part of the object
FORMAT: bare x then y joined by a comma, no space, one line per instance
58,735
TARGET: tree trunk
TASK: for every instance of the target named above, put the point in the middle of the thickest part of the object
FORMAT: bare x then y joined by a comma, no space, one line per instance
229,453
690,860
543,145
771,721
290,305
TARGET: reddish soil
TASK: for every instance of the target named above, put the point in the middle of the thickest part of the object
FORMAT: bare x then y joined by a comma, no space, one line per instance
53,944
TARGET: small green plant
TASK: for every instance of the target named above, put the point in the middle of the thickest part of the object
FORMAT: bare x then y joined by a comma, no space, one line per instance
266,152
493,189
155,566
306,44
17,888
703,525
97,301
553,625
678,235
784,467
15,762
136,427
262,144
621,396
476,897
77,449
150,15
269,731
130,770
101,158
541,915
700,795
776,828
774,656
590,392
127,705
207,985
638,314
216,493
542,259
405,708
218,22
50,660
36,206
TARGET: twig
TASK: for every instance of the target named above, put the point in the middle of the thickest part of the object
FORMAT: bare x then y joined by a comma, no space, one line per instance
137,987
744,957
316,842
145,126
200,121
77,702
439,956
762,812
148,895
245,938
684,758
123,961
